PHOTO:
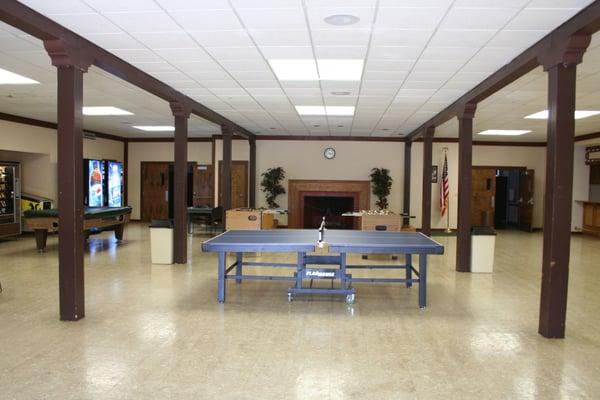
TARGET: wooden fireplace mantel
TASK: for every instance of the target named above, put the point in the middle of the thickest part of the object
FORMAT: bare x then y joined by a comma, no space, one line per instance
296,187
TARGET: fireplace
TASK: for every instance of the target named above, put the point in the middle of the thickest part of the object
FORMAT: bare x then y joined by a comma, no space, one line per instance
334,198
331,205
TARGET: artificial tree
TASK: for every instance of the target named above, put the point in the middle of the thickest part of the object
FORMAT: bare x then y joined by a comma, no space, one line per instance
382,183
271,185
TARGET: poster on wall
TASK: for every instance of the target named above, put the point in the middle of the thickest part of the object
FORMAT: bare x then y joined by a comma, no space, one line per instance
115,184
95,183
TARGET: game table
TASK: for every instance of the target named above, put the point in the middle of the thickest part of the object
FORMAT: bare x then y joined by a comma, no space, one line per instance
336,244
95,218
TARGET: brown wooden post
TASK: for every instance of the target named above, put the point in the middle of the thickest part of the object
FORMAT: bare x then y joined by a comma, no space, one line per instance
407,171
561,64
225,183
427,167
180,171
252,179
71,64
465,158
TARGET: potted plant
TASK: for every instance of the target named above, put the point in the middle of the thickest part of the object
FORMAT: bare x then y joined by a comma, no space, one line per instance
271,185
382,183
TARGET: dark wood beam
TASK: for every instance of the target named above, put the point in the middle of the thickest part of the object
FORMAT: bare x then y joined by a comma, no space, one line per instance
70,66
587,20
407,172
465,161
225,176
561,64
252,173
30,21
180,171
588,136
427,167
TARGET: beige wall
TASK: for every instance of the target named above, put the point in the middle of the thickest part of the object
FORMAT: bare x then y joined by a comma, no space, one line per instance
581,187
35,148
353,161
200,152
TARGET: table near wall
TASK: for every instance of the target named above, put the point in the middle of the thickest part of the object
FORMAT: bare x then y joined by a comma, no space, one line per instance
591,217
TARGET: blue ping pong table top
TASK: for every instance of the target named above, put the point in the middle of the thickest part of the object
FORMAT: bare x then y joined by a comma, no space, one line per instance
338,241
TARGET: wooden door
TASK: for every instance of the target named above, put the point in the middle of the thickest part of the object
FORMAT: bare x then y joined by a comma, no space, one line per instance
526,200
482,199
155,191
203,186
239,183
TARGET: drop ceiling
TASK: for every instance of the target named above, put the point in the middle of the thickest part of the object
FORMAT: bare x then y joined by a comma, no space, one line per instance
420,56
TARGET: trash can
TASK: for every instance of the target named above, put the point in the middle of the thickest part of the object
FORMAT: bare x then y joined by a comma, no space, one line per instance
483,242
161,241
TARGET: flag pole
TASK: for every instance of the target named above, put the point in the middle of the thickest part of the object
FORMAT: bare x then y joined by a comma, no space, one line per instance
448,230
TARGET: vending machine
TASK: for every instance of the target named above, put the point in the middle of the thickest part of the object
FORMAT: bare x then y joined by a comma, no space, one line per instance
93,183
10,199
114,184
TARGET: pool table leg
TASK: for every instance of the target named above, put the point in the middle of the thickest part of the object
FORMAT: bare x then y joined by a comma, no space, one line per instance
40,239
119,229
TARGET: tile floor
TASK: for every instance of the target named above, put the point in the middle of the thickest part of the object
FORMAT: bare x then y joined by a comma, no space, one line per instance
158,332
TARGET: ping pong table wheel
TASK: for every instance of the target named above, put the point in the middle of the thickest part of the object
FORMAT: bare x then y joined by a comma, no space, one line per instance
350,298
290,297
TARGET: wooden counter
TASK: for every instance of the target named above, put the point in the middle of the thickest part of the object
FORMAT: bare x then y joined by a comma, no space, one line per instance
591,217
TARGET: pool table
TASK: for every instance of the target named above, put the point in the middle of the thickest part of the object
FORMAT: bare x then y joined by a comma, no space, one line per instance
102,218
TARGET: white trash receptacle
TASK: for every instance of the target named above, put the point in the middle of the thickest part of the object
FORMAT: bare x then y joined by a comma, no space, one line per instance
483,243
161,241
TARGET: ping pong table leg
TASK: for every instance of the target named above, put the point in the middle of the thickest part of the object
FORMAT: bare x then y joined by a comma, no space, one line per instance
221,283
408,263
422,280
238,266
343,281
301,265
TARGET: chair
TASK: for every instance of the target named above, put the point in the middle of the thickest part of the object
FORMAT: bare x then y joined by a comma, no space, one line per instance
216,219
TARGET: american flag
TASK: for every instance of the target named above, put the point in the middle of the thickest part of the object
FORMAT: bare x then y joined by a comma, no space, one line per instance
444,188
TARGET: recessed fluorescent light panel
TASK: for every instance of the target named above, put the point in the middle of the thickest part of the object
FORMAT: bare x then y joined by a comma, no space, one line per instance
155,128
579,114
503,132
322,69
337,111
104,110
10,78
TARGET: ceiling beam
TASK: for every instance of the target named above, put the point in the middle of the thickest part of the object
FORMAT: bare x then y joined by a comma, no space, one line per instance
587,20
35,24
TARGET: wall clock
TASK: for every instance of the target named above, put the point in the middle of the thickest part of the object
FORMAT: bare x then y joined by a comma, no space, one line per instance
329,153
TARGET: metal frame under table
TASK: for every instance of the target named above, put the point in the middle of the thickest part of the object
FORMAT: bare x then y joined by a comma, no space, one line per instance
338,243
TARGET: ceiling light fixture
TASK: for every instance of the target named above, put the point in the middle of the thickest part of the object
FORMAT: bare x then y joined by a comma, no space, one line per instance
338,111
503,132
155,128
341,19
10,78
340,93
105,110
579,114
321,69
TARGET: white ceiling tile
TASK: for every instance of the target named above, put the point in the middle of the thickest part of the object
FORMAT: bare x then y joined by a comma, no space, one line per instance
235,65
272,18
374,64
392,76
137,55
524,38
195,5
266,3
541,18
176,54
157,21
280,37
340,37
234,53
448,53
252,75
86,23
207,20
270,52
113,41
395,52
401,37
477,18
462,37
409,18
491,3
356,52
58,7
165,40
231,38
123,6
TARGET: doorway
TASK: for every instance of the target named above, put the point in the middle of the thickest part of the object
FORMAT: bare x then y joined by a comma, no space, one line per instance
157,189
502,197
239,184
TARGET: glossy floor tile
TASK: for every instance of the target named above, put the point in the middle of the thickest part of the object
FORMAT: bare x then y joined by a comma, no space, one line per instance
157,332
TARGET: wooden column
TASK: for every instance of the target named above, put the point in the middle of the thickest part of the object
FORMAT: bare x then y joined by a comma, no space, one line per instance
407,171
252,173
71,64
561,64
427,160
225,182
181,113
465,158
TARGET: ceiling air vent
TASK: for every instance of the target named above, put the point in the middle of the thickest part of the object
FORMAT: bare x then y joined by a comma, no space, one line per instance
89,135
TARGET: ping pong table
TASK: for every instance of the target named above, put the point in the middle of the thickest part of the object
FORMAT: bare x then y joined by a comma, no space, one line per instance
337,243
